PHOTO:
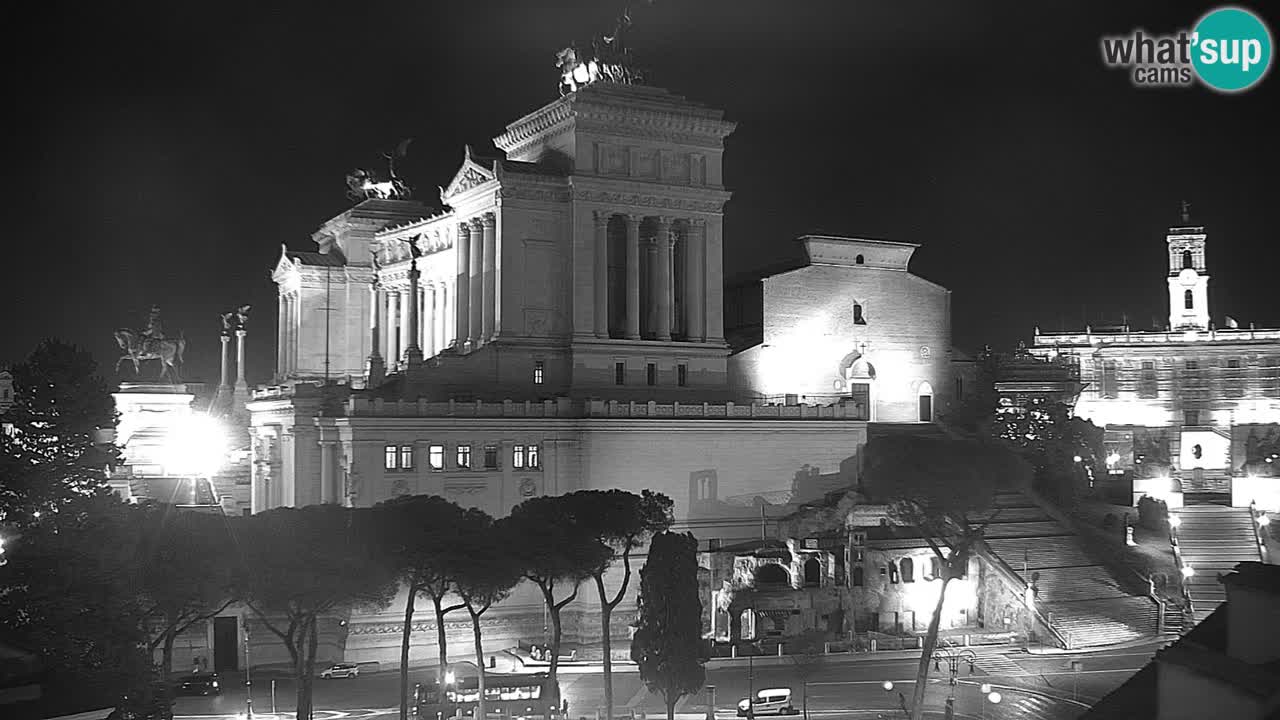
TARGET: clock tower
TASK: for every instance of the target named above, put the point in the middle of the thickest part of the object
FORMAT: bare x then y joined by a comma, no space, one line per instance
1188,279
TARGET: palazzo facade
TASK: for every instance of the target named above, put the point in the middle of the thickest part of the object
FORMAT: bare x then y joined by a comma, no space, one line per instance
560,325
1191,412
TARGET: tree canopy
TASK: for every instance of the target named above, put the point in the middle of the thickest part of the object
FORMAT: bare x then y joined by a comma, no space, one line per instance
667,645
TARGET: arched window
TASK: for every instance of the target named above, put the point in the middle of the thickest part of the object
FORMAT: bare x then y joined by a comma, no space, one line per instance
908,570
771,574
812,572
858,260
857,315
859,577
1188,300
925,395
1186,260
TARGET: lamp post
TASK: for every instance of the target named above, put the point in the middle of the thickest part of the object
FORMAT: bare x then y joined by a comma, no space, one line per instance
248,677
952,658
711,710
887,685
989,695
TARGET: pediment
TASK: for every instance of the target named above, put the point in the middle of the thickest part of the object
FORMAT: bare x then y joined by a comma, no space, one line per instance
284,266
469,175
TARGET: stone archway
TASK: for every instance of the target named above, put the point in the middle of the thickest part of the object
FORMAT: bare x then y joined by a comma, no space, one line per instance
860,381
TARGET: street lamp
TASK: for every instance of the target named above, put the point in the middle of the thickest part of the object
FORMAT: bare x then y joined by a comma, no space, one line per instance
248,677
952,658
902,699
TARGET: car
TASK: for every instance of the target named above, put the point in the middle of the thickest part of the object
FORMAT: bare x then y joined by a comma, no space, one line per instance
200,684
771,701
341,670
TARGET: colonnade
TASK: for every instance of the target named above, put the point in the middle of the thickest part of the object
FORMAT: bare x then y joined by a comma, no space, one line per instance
643,303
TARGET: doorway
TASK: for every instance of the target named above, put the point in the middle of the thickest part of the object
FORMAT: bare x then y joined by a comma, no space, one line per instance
226,648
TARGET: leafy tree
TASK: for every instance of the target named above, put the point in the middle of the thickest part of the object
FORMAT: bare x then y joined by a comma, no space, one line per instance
486,580
52,456
622,521
186,574
420,535
667,645
68,591
306,563
551,548
933,485
1045,433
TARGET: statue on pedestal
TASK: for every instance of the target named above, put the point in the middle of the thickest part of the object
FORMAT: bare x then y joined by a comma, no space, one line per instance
151,344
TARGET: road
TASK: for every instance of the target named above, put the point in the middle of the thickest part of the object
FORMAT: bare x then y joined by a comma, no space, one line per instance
1032,687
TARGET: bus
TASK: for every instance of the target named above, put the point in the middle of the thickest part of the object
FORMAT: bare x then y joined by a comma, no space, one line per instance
511,697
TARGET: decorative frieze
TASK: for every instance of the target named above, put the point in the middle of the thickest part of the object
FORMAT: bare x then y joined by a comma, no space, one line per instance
619,199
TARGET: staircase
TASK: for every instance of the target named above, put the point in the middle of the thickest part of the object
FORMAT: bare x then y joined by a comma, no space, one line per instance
1075,592
1212,540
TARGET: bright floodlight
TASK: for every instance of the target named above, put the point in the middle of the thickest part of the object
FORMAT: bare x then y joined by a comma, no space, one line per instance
196,444
995,697
1113,458
986,688
1174,521
1188,571
1077,458
449,677
1263,520
887,685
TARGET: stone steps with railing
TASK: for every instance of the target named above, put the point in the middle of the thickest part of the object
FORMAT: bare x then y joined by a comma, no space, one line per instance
1212,540
1090,623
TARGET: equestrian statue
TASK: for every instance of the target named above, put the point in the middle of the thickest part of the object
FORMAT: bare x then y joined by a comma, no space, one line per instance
151,344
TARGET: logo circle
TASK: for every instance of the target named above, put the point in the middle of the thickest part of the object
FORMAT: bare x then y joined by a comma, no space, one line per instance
1231,49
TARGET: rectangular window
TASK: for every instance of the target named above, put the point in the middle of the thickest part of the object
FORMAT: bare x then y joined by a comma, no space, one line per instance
464,456
1148,387
517,457
959,388
682,375
490,457
1109,379
435,456
1233,363
1192,364
650,374
390,457
406,457
1190,417
533,457
619,373
538,368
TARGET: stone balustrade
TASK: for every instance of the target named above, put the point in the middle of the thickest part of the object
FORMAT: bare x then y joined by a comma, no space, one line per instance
1141,337
567,408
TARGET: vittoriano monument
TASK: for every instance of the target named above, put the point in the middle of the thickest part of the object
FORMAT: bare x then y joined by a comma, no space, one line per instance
151,344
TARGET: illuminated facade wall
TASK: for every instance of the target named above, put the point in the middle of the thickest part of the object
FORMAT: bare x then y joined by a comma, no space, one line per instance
853,325
1187,399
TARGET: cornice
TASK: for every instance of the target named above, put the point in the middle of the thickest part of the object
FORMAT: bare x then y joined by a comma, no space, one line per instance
649,199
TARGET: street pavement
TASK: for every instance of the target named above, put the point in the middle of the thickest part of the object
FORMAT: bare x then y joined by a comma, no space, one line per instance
1039,687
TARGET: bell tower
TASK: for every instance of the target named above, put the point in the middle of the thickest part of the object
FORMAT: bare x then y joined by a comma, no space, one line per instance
1188,278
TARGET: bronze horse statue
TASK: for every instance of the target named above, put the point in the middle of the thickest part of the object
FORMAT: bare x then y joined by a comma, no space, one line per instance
138,348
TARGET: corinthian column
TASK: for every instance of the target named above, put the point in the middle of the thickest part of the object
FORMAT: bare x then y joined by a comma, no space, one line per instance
602,274
633,277
429,314
412,351
490,291
475,303
393,324
662,278
282,331
694,293
241,384
462,253
376,369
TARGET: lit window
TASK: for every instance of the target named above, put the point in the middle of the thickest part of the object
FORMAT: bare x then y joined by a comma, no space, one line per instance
533,457
538,367
406,457
491,457
619,373
435,456
650,374
682,375
857,315
517,456
390,457
1233,363
464,456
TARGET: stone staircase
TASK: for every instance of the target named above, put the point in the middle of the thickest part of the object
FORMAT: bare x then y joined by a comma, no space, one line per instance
1075,592
1212,540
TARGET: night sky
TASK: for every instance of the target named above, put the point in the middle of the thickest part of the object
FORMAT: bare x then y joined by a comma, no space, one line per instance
162,152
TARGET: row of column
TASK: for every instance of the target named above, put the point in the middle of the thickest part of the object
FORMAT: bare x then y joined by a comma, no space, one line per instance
660,260
290,322
399,323
477,274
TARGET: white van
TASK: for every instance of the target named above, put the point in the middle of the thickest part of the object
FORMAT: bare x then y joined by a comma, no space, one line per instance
772,701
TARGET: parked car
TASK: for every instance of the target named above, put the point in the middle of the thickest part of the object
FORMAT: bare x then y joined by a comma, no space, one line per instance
200,684
341,670
772,701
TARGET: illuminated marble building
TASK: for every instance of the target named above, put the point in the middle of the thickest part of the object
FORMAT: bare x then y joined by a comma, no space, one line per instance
1191,412
560,325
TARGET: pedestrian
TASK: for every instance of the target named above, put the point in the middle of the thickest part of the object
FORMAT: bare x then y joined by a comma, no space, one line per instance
564,707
